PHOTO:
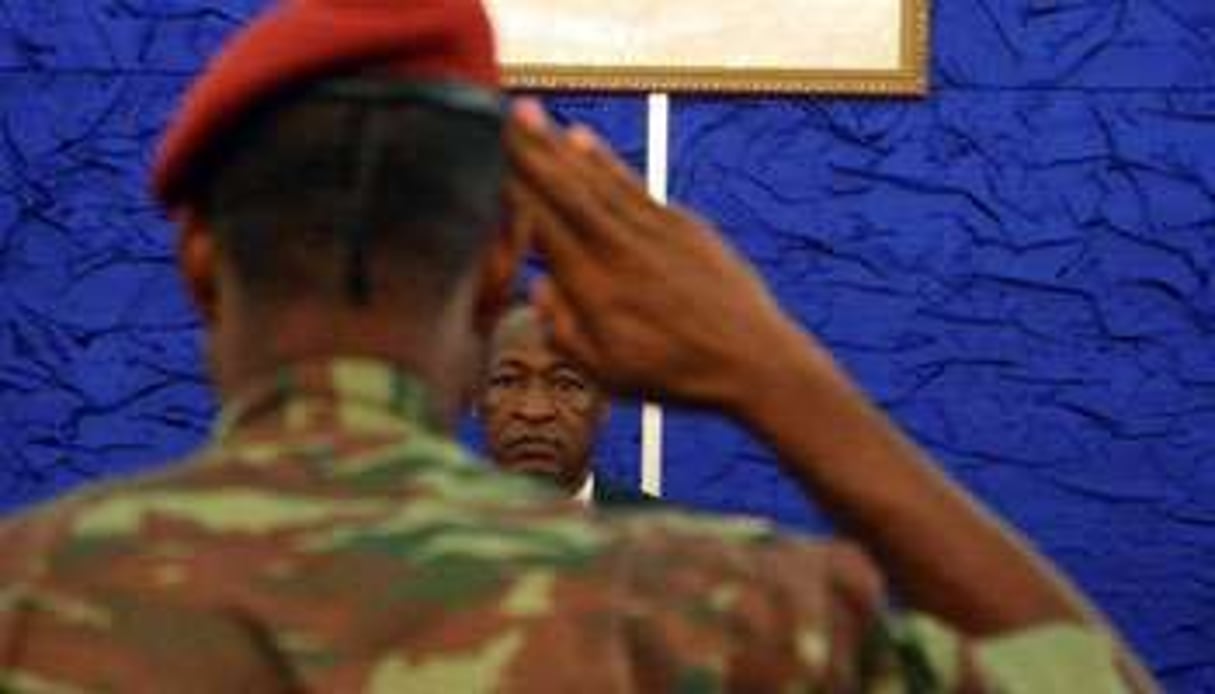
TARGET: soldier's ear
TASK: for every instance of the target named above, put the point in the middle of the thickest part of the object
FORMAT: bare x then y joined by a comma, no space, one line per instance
197,259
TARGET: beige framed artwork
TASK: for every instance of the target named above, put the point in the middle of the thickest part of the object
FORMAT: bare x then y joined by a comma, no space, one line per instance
751,46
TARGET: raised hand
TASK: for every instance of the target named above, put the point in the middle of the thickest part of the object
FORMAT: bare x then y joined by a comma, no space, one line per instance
646,296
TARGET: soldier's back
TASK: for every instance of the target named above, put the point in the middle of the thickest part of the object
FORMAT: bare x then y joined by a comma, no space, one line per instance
381,557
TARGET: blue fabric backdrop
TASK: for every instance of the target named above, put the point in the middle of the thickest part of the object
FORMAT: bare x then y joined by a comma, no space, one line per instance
1019,268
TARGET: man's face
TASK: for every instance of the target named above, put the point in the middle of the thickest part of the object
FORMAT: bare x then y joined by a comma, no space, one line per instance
541,412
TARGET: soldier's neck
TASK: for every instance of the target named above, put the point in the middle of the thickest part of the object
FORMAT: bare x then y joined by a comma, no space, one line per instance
441,353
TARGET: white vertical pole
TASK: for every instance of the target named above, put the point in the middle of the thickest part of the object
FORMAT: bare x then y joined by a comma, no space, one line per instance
659,129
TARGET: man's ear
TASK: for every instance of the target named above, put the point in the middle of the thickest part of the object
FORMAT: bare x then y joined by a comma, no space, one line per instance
198,262
499,267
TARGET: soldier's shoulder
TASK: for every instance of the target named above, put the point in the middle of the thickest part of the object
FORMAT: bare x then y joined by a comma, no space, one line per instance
737,588
32,534
56,520
776,557
668,529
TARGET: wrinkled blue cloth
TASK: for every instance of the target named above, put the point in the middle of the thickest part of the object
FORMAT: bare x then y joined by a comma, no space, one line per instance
1019,267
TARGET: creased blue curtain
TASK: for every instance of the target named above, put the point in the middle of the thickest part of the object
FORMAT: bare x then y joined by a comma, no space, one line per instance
1019,268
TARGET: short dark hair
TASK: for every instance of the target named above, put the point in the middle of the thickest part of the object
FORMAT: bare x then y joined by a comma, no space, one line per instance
283,189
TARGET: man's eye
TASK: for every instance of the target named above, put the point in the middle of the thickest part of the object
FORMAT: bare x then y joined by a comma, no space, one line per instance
505,381
569,385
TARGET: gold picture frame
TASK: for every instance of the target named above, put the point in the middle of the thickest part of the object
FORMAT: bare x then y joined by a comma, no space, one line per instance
909,77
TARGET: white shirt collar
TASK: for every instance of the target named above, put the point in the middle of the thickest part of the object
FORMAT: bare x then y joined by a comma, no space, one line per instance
586,494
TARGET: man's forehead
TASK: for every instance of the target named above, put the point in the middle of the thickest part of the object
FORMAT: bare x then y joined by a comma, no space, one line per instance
519,327
520,338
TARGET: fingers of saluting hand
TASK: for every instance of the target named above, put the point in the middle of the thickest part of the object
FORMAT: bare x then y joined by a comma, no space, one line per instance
554,173
615,179
560,319
577,176
569,259
552,235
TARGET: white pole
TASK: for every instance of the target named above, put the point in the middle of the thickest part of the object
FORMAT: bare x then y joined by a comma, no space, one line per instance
659,128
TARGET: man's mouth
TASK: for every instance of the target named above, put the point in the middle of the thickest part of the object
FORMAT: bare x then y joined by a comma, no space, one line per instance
533,446
533,449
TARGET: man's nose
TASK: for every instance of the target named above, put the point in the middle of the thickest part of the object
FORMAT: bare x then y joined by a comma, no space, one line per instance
536,404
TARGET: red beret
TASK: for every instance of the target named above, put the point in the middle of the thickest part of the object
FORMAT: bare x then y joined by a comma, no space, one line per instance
299,41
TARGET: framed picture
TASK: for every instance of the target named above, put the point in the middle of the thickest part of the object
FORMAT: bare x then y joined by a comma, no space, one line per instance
759,46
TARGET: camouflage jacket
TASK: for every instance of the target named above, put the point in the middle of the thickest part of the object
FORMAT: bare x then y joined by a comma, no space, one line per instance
329,539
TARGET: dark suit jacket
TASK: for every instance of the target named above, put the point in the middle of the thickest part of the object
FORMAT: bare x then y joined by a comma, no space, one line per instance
610,494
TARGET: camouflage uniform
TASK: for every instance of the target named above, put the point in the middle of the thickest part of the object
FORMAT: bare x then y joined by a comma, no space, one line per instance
329,539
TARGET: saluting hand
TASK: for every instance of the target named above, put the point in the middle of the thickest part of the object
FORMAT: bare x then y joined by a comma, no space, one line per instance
646,296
